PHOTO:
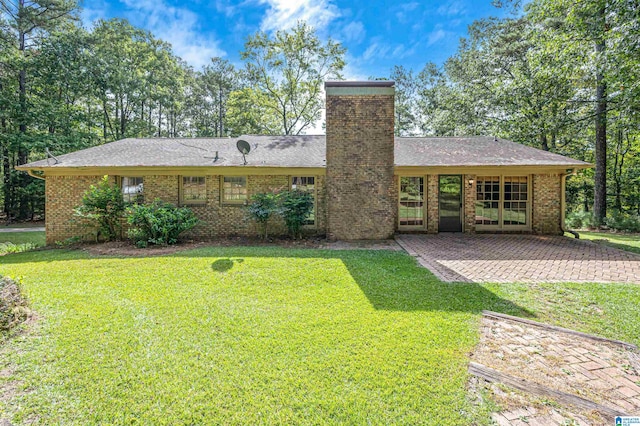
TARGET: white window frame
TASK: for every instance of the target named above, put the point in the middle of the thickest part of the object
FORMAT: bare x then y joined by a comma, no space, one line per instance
424,205
501,201
315,199
127,198
239,202
192,202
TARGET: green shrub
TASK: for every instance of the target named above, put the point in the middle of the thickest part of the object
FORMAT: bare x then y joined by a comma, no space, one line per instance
623,222
261,209
579,220
158,223
13,306
8,248
295,207
104,206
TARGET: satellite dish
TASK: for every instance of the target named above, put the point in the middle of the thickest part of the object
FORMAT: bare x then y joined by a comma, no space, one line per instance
244,148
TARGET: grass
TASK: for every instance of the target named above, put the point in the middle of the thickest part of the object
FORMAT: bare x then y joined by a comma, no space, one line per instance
628,242
16,242
607,310
246,335
266,335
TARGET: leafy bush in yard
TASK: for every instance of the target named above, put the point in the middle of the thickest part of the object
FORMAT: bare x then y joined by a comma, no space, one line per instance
295,207
623,222
103,205
13,306
579,220
261,208
158,223
8,248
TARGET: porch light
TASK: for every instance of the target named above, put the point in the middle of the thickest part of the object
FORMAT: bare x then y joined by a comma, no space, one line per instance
470,182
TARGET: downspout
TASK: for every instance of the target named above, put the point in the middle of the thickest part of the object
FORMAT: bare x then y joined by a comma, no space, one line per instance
30,173
563,204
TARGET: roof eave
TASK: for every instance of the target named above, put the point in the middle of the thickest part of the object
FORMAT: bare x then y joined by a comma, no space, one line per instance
172,170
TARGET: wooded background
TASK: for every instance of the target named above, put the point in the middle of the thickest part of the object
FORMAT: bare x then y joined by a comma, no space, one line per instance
558,75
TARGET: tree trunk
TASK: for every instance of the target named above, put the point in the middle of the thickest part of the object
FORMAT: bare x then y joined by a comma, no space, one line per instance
617,171
600,183
585,191
116,121
220,110
6,176
23,153
544,144
123,119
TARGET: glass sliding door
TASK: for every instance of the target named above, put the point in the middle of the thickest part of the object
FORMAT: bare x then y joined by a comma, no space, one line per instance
450,203
411,203
503,202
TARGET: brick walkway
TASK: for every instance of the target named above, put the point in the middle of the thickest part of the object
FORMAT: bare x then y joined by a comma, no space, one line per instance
601,372
520,258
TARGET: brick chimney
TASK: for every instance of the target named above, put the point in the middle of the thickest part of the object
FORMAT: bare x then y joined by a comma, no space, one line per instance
361,196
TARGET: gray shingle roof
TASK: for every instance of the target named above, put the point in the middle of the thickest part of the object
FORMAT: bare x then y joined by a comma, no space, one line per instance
301,151
474,151
266,151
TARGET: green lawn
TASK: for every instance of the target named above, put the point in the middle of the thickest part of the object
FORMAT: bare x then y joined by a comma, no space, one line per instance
35,237
11,242
246,335
265,335
607,310
629,242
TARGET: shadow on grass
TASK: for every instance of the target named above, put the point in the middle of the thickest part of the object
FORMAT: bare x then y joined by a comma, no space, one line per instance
390,280
223,265
625,247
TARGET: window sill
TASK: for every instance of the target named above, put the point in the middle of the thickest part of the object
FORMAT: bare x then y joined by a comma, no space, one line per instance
228,204
503,228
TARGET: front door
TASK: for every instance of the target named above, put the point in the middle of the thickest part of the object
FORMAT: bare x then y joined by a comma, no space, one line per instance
450,203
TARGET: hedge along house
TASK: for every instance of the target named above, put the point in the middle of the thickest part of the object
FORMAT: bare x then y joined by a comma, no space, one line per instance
367,184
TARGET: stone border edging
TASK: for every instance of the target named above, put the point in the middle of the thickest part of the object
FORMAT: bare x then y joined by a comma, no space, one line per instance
492,375
497,315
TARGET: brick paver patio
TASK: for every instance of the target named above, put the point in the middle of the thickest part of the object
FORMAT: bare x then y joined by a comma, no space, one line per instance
520,258
601,372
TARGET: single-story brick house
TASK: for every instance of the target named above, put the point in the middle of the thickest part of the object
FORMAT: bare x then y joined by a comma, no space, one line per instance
367,184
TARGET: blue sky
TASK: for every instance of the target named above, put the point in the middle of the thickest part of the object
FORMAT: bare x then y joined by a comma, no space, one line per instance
377,34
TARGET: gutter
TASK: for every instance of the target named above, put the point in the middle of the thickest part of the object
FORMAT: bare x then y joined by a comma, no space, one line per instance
31,173
563,204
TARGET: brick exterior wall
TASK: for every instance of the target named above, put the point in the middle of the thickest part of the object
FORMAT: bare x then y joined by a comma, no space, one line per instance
469,203
361,195
432,204
546,205
63,193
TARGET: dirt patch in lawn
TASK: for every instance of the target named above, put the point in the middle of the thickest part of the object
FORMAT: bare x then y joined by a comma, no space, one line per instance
601,372
126,248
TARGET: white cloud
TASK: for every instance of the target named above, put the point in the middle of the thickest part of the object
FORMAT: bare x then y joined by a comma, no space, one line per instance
375,50
381,50
178,26
435,36
353,72
353,32
284,14
89,15
406,10
452,9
